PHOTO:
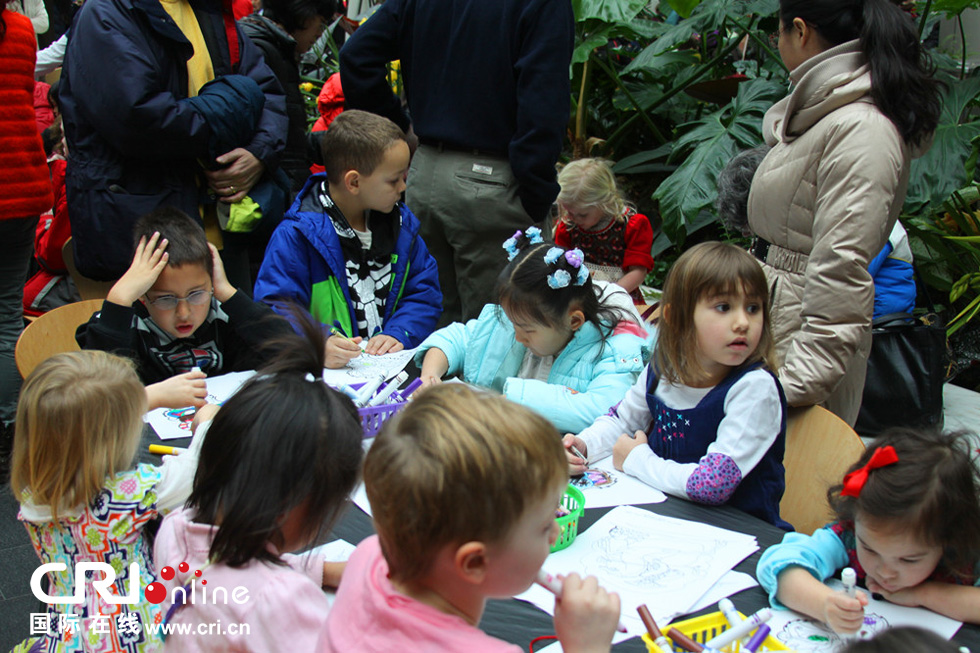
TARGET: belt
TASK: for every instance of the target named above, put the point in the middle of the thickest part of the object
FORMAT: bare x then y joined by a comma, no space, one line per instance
760,248
445,146
778,257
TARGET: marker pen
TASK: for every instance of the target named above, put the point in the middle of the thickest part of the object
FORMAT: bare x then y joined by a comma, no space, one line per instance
849,578
756,640
553,585
164,450
727,608
368,390
651,625
389,389
751,623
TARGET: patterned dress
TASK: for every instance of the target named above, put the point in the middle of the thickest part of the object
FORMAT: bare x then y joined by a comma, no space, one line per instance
110,530
613,247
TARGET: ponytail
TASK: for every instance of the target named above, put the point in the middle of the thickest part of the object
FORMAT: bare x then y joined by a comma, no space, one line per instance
903,87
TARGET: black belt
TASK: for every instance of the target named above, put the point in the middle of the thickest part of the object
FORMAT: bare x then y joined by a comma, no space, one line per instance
444,146
760,248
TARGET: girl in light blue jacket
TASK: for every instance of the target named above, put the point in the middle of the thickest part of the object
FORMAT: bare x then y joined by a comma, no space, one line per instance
554,341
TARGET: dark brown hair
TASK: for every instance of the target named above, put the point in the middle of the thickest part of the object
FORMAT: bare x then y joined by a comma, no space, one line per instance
931,491
187,242
707,269
357,140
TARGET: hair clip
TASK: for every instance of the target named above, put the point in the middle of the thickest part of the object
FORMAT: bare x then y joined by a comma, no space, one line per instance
559,279
854,481
510,245
534,235
575,257
583,276
553,254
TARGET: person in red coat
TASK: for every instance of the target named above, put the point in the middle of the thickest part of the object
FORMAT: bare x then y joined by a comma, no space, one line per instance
25,192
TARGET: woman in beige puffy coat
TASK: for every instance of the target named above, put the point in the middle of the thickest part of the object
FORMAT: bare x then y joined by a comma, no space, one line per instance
825,198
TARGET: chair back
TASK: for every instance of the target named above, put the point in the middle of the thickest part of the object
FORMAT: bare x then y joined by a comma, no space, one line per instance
819,448
52,333
87,288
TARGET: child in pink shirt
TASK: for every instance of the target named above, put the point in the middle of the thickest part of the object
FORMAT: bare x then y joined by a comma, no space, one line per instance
277,464
463,488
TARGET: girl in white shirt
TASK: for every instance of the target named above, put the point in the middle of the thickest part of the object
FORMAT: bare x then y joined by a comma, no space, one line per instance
708,415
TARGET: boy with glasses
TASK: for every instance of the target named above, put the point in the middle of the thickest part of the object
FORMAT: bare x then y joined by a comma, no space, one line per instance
177,316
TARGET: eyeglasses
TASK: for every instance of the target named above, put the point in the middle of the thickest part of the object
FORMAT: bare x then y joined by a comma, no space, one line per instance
169,302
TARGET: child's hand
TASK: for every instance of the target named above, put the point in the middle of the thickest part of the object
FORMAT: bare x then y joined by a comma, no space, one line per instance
203,414
434,366
341,350
332,573
843,613
148,263
187,389
428,380
585,615
625,445
576,466
382,344
223,290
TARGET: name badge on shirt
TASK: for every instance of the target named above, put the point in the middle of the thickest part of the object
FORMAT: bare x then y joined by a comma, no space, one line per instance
482,169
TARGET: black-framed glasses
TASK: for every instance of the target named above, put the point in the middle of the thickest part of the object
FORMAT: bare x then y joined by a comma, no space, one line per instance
169,302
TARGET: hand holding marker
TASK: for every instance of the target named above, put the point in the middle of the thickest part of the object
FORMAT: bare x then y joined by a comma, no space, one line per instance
553,585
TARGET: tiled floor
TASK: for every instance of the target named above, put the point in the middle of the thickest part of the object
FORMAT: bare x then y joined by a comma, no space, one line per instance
18,561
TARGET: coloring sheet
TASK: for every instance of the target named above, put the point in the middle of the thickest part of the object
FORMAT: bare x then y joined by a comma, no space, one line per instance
806,635
359,495
366,367
666,563
174,423
604,486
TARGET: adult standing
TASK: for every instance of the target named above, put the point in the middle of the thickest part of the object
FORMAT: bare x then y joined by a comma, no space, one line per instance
825,198
489,94
33,9
283,31
135,141
25,191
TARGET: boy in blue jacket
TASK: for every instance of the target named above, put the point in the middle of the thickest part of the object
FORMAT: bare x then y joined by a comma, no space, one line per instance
349,250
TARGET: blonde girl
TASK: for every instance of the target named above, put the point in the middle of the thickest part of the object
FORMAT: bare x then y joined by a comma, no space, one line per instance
79,422
595,218
708,416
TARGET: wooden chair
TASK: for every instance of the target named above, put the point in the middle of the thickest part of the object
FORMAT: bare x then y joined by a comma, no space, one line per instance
819,448
87,288
52,333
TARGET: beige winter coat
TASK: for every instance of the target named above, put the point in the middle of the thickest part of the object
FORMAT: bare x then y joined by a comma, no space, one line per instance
826,197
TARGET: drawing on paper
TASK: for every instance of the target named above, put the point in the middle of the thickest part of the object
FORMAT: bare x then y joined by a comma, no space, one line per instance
367,366
809,636
599,479
635,558
181,416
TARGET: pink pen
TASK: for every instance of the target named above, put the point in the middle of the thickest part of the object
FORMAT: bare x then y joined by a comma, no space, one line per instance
553,585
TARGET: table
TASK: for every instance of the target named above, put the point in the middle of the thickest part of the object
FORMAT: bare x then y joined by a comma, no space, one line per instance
520,622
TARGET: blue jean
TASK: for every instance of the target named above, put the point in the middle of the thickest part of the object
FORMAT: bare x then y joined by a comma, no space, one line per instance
16,249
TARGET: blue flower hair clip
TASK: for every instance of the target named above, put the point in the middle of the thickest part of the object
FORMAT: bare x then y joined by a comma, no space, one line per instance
553,254
559,279
510,245
582,277
575,257
534,235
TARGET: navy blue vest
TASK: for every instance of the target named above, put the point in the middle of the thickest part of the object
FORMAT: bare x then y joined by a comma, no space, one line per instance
684,436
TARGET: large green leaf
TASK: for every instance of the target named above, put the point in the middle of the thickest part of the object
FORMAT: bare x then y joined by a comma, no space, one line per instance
952,7
584,49
683,7
610,11
947,165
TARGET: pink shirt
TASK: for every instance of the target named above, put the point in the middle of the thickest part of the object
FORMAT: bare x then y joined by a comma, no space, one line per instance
370,616
284,606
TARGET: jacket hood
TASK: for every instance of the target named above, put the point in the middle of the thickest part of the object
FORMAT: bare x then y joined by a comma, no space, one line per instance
259,26
821,84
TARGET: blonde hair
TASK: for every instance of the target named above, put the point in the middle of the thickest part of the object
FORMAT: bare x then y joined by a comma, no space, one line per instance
457,465
79,421
707,269
590,182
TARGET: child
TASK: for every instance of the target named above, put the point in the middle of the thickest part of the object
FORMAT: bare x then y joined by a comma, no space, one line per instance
595,218
907,639
463,487
908,522
549,344
709,414
350,251
174,311
279,460
79,422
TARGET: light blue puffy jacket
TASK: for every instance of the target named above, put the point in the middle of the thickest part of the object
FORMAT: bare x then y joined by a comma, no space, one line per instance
586,379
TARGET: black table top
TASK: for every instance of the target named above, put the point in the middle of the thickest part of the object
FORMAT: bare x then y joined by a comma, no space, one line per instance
520,622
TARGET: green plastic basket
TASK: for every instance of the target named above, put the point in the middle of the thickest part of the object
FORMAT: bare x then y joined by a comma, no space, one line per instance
574,503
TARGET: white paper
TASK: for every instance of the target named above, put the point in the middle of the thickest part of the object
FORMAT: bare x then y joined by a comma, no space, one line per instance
731,583
336,551
367,366
605,486
359,495
666,563
174,423
806,635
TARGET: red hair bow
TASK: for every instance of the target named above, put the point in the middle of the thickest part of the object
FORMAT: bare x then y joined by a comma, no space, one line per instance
854,482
